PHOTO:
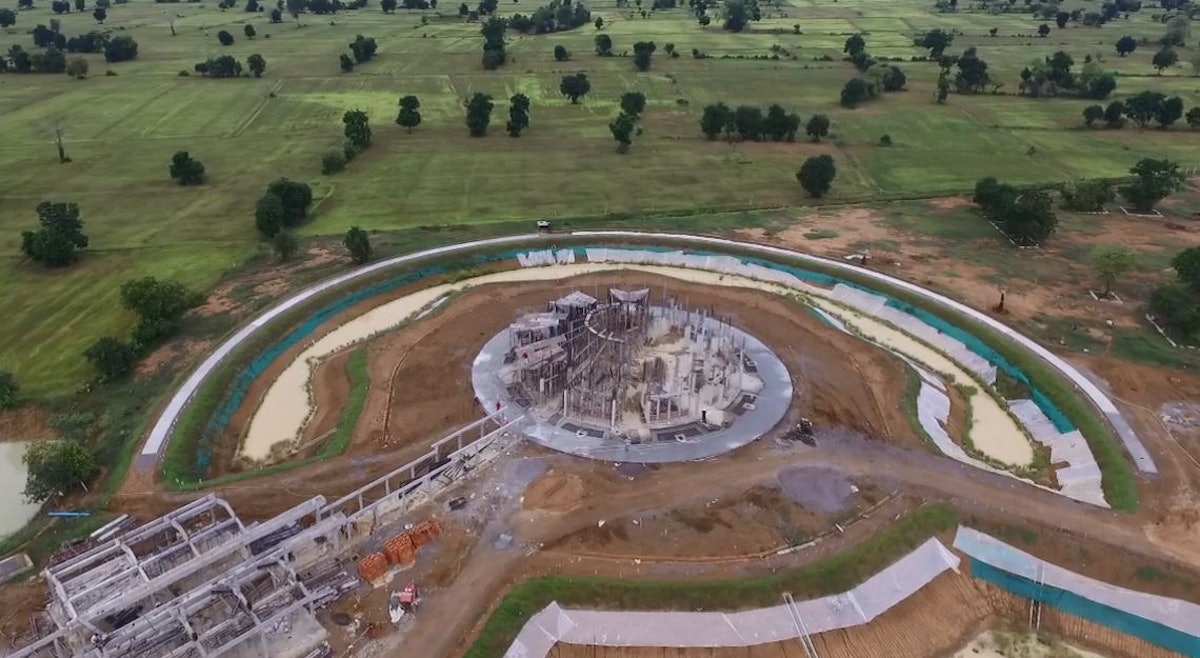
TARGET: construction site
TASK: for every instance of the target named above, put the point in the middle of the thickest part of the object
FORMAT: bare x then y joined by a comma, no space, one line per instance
633,415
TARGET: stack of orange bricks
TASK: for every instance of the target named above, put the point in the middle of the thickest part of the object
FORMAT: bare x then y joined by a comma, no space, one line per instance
400,550
425,532
372,567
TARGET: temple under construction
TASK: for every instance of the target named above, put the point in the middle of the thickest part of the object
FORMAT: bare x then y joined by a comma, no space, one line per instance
625,364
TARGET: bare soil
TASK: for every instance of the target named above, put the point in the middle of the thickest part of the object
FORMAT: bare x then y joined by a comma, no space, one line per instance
24,424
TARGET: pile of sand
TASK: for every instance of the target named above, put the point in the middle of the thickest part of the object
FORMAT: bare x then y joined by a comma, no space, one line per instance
553,492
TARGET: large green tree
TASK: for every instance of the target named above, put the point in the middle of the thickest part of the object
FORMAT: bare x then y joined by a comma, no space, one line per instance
518,114
113,359
633,103
186,170
622,129
642,52
937,41
159,306
269,215
1154,180
57,467
358,243
817,127
58,237
715,120
295,198
479,114
410,115
575,86
357,128
816,175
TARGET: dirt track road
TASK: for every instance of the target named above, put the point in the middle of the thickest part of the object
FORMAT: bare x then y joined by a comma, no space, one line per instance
487,573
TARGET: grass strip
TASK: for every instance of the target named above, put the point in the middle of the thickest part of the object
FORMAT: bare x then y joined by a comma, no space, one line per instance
831,575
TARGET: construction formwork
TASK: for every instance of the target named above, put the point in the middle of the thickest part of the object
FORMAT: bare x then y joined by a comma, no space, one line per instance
602,363
198,583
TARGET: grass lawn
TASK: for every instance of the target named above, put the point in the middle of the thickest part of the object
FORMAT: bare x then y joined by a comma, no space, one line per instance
122,129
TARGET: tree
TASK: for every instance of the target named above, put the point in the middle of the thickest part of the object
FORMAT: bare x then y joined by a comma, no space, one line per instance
277,15
284,245
854,44
363,48
1092,114
113,359
1154,181
1169,112
249,31
604,45
80,5
1114,114
622,129
225,38
410,116
100,14
358,128
1087,196
479,114
186,170
1043,30
642,51
159,306
972,73
269,215
633,103
1126,45
494,54
599,23
388,6
1144,107
937,41
518,115
816,175
358,243
1030,219
575,86
715,120
1193,117
295,196
1061,18
1178,31
748,121
891,78
333,162
60,234
120,49
55,467
1111,263
10,391
561,54
346,63
739,13
1187,266
1165,59
817,127
256,64
77,68
854,92
8,17
1174,306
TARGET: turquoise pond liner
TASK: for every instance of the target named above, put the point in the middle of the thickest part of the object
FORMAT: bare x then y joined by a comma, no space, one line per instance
1093,611
236,395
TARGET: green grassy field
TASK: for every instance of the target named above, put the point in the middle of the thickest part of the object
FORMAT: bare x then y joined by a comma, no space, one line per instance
121,131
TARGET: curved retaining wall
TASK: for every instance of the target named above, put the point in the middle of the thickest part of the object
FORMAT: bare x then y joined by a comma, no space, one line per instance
161,431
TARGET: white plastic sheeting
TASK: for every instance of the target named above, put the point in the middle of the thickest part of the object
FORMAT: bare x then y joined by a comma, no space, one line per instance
1180,615
1080,478
546,257
860,605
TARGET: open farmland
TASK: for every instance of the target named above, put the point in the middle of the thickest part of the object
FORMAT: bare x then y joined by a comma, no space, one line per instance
122,129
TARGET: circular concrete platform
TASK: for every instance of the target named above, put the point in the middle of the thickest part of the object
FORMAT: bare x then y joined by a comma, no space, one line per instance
753,415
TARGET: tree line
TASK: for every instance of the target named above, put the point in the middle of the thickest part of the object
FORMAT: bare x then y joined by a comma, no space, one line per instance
1142,109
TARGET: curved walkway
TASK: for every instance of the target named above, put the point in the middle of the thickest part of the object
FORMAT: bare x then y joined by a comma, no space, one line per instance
160,433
